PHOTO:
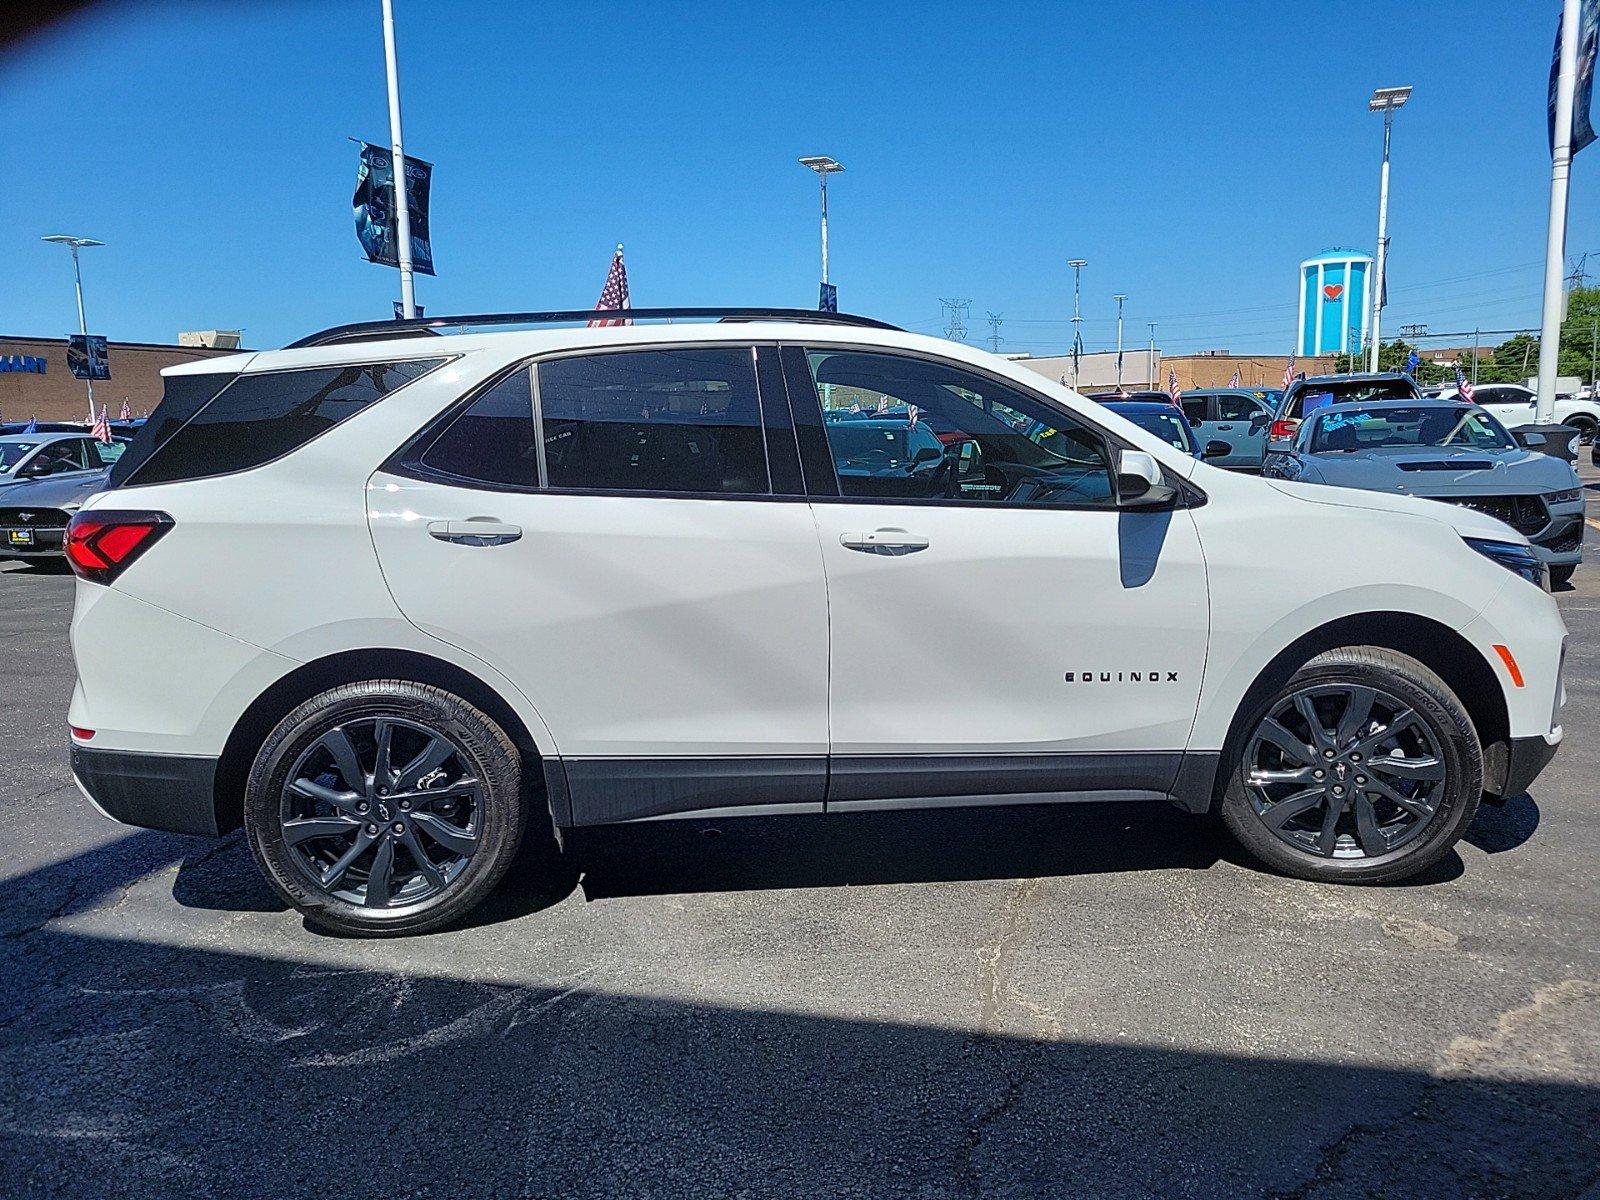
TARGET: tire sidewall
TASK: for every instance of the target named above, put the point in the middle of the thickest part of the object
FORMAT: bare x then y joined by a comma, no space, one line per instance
1450,725
492,757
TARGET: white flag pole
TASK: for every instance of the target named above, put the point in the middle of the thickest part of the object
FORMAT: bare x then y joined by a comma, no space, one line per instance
1555,246
402,208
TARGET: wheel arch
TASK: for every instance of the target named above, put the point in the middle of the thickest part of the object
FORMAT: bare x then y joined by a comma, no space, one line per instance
1435,645
354,666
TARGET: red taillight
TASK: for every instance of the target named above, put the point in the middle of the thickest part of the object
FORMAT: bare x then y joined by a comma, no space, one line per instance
1283,431
79,732
102,543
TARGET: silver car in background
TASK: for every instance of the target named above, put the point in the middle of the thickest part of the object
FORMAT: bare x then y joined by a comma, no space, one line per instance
44,479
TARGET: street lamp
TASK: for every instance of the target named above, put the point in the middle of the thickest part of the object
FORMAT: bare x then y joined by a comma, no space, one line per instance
823,166
1077,265
1386,101
75,244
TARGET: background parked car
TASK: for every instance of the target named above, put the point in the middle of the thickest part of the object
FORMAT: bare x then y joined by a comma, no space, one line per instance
1449,451
1237,416
1513,405
44,479
1167,422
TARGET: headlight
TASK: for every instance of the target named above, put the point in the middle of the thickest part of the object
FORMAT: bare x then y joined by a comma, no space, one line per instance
1519,560
1566,497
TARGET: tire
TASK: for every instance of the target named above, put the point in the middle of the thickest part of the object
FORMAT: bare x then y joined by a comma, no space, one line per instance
348,854
1562,575
1586,427
1375,837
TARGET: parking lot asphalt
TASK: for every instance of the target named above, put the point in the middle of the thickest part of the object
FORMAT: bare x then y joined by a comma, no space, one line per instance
1084,1000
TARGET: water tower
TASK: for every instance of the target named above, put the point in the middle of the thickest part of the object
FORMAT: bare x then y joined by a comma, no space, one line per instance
1335,305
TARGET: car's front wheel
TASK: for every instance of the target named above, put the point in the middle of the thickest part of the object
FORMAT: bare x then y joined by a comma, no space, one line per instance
385,807
1362,768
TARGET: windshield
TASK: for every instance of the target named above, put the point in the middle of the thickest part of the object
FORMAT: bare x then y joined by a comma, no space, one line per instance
1322,393
11,453
1168,426
1349,430
858,443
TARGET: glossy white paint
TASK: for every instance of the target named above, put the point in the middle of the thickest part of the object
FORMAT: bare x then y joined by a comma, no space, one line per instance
657,628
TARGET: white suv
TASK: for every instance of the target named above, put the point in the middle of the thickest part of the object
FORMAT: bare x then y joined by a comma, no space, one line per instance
395,601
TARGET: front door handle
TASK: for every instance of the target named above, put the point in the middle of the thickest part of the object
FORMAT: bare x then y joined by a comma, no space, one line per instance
884,541
476,531
1225,428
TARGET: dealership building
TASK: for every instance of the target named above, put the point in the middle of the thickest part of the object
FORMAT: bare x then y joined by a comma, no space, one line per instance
36,383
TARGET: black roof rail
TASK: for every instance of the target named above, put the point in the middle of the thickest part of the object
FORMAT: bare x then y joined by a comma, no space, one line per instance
367,331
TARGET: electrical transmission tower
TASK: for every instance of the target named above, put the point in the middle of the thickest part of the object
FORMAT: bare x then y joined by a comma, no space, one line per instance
994,339
955,326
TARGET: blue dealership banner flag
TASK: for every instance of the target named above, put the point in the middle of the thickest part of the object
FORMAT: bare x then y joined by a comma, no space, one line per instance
828,299
1413,361
87,357
1588,44
375,210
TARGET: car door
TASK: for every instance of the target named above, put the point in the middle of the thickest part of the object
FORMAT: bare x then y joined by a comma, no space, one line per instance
1200,411
1240,420
630,554
1009,631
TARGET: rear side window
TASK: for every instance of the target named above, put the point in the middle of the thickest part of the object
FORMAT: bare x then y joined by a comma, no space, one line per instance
493,441
654,421
258,418
181,398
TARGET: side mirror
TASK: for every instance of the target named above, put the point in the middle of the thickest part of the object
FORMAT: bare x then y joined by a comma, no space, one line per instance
927,454
1217,449
1140,482
1528,440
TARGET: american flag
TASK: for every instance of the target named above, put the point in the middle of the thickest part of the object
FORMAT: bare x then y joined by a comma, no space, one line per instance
1464,386
912,413
1288,373
102,428
615,293
1173,389
1234,382
127,413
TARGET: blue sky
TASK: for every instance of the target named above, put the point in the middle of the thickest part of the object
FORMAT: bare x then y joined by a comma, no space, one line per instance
1193,153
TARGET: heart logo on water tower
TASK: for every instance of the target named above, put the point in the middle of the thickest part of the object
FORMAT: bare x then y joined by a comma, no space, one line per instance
1332,291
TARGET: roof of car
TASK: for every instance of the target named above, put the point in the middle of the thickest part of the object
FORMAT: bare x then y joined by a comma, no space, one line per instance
35,439
1362,377
1143,406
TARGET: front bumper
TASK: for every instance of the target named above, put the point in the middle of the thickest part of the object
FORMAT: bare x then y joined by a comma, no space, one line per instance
171,792
45,542
1560,543
1516,763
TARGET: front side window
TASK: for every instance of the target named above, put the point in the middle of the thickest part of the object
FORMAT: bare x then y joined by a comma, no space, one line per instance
654,421
916,428
1235,408
1194,407
65,455
258,418
493,441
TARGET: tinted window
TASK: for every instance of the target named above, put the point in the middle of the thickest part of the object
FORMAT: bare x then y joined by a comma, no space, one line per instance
995,443
66,455
1323,392
493,441
654,421
258,418
182,396
1345,431
1236,408
1195,408
1168,426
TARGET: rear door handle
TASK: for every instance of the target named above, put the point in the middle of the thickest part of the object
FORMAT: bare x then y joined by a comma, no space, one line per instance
884,541
478,531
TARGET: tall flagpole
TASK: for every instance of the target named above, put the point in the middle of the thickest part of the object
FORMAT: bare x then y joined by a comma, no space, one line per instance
402,207
1555,247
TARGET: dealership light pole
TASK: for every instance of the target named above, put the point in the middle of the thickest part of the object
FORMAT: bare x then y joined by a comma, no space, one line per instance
1120,299
1077,265
397,169
823,166
1386,101
1555,247
75,244
1150,363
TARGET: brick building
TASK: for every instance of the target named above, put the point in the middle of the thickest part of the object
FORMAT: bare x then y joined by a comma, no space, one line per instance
35,381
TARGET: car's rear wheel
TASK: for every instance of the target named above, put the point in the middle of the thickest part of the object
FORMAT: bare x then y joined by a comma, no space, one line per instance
385,807
1586,427
1362,768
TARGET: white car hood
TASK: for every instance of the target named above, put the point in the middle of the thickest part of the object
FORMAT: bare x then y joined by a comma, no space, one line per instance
1465,521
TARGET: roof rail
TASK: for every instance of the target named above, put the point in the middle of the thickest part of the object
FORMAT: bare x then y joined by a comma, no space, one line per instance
367,331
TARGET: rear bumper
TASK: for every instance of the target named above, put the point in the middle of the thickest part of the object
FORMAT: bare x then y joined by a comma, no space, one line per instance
46,542
171,792
1524,758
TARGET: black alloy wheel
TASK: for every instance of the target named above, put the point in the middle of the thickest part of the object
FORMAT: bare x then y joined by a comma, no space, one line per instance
385,807
382,812
1345,771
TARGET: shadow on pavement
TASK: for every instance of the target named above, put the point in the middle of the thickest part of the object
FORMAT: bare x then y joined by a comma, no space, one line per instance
152,1070
1502,827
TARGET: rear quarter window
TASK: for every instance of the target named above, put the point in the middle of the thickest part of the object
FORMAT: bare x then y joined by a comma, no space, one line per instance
255,419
